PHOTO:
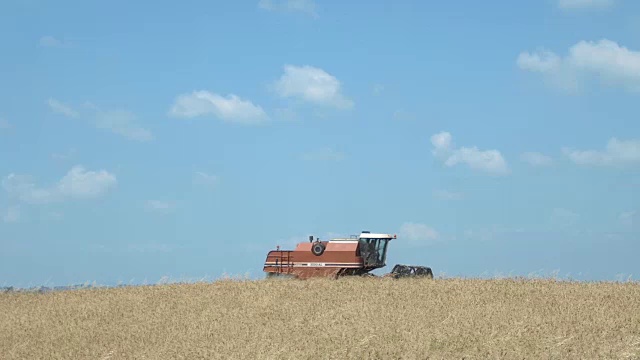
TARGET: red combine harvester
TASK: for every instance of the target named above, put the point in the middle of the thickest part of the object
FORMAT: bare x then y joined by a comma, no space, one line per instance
354,256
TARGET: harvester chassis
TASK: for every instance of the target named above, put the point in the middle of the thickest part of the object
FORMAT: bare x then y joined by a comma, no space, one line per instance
399,271
357,255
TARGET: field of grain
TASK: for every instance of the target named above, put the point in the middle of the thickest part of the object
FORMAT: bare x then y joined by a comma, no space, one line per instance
328,319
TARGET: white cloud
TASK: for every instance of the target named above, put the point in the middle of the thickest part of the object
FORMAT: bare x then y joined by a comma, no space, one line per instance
313,85
418,233
613,64
441,141
50,41
266,4
616,153
490,161
201,178
285,114
606,58
158,206
11,215
629,218
84,184
230,108
78,183
483,234
54,215
60,108
536,159
584,4
304,6
123,123
447,195
402,115
377,89
24,189
63,156
324,154
564,217
4,124
120,122
541,61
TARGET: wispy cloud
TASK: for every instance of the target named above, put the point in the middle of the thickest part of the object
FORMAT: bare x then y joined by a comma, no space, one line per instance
324,154
60,108
616,153
158,206
55,215
230,108
613,64
307,7
122,122
584,4
4,124
490,161
378,89
11,215
52,42
118,121
629,218
564,217
285,114
447,195
204,179
536,159
312,85
403,115
78,183
64,156
419,234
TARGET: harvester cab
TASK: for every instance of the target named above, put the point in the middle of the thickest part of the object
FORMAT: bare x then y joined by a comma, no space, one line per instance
372,248
353,256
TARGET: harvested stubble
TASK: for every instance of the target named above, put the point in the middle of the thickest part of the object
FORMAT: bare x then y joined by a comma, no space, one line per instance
354,318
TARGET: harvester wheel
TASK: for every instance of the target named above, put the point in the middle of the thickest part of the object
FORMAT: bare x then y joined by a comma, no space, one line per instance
317,249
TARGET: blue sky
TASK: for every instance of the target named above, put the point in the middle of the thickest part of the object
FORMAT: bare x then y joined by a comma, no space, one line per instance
188,139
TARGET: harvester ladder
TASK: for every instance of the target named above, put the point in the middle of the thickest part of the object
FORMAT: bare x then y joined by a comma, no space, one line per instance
285,263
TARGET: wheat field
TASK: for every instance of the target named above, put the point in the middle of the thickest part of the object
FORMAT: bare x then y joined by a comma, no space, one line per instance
349,318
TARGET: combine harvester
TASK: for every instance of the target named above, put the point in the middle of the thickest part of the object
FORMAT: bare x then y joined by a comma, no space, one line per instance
354,256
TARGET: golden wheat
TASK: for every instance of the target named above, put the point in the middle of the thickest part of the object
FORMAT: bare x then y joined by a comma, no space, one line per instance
350,318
